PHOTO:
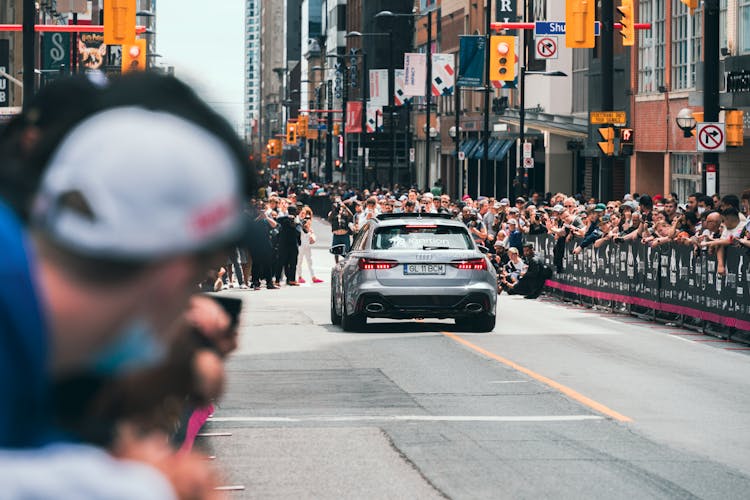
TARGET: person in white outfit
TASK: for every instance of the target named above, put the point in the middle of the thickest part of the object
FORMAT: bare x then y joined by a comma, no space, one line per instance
305,249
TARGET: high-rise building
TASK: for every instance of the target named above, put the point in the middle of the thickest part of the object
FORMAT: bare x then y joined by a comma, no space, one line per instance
252,71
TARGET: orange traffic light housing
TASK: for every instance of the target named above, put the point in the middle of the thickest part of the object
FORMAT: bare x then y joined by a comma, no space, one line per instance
503,58
291,133
134,56
627,11
691,4
580,24
608,145
734,121
302,124
119,22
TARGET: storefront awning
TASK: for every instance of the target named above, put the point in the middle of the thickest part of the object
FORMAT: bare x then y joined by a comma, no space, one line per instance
466,146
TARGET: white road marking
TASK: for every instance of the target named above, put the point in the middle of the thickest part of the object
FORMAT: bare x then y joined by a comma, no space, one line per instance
410,418
230,488
213,434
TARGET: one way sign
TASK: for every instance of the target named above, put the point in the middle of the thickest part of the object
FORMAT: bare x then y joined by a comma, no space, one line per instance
711,138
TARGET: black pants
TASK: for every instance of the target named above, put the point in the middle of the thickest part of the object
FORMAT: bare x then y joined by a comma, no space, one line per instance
288,261
262,270
527,286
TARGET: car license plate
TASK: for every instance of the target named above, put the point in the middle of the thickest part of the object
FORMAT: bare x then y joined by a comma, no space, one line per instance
424,268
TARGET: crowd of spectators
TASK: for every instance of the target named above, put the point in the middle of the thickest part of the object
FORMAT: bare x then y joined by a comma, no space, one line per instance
707,223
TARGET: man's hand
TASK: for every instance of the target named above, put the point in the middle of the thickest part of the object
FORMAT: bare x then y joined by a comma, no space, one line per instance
577,250
189,474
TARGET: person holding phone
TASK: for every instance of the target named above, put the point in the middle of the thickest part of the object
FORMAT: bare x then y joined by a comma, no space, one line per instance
305,249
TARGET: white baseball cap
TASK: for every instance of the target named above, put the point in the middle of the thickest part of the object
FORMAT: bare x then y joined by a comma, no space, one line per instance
151,185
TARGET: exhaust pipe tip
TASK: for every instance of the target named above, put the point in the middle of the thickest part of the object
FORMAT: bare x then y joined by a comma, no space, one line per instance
375,307
474,307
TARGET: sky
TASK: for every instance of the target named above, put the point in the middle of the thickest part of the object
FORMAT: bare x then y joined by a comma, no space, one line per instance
204,41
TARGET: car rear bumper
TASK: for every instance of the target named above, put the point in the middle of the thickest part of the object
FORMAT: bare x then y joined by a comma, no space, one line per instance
426,302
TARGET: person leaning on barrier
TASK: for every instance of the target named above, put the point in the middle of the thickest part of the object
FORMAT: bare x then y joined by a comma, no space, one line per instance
118,238
593,232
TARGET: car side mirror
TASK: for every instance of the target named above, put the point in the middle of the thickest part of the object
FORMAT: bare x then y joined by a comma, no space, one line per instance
338,250
483,249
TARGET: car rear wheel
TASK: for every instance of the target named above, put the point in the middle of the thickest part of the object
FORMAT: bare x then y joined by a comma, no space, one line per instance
482,323
335,316
352,322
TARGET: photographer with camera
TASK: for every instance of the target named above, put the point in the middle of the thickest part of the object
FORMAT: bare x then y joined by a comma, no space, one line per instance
474,224
340,218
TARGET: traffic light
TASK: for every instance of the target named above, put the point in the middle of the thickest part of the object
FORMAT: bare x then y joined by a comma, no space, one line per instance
119,22
503,58
627,140
291,133
134,56
302,124
608,146
628,22
691,4
580,24
735,128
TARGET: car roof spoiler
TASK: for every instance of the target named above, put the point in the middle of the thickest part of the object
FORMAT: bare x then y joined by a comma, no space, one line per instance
414,215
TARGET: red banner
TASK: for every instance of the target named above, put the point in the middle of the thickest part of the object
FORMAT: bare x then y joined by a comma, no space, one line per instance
353,117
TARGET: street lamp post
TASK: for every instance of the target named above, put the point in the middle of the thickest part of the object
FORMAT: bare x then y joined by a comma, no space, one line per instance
522,110
428,83
391,94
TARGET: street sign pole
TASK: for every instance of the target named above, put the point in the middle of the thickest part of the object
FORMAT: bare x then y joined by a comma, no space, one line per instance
711,89
607,59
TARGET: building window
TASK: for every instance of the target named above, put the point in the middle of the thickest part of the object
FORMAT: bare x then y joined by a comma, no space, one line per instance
686,175
651,47
686,45
744,35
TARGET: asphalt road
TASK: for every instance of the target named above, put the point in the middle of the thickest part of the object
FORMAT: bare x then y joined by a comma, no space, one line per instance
558,402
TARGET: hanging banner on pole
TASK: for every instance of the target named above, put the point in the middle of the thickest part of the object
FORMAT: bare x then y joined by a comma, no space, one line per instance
415,74
399,97
378,87
471,61
353,117
374,118
443,74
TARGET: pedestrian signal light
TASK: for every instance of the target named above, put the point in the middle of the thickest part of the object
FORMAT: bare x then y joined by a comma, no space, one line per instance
119,22
691,4
734,121
291,133
580,24
134,56
608,145
337,164
628,22
627,140
503,58
336,129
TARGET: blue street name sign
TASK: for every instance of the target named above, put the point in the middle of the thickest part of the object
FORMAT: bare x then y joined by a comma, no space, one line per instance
556,28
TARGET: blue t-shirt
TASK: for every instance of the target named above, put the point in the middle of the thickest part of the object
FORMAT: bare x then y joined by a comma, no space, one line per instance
24,372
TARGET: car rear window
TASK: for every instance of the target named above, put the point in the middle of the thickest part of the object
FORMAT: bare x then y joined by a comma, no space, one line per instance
421,237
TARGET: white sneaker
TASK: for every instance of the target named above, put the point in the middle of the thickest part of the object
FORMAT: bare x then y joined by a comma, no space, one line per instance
224,287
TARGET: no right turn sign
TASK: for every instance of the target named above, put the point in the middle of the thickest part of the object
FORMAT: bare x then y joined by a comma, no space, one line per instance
710,138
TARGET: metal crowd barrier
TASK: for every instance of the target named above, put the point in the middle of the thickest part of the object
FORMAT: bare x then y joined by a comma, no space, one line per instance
670,283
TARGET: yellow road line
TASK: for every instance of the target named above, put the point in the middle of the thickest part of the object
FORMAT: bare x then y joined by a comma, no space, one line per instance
541,378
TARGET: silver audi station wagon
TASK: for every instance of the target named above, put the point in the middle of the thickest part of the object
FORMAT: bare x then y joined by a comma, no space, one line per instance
405,266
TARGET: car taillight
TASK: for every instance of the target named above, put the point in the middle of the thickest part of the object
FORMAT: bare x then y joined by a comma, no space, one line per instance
376,264
471,264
